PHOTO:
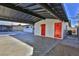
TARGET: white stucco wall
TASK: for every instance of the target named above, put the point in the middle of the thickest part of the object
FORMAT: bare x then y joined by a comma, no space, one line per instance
49,27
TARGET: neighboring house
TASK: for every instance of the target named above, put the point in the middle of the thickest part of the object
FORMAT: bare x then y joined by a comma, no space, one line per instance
28,28
5,28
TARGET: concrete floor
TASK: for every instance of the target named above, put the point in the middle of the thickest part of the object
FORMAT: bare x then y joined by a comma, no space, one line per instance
68,47
43,46
63,50
10,46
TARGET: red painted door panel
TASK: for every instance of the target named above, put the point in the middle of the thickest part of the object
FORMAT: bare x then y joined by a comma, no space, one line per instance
43,27
57,30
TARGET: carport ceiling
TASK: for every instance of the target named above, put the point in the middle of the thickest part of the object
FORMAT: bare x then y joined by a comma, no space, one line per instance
33,12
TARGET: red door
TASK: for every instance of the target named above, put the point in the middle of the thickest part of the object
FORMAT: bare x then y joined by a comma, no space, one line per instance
43,27
58,30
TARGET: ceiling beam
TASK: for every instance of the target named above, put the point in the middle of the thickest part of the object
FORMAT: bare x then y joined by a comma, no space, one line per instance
63,8
16,20
48,8
18,8
32,4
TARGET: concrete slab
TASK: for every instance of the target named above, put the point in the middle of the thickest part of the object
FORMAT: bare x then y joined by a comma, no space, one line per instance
10,33
67,47
63,50
44,45
41,45
10,46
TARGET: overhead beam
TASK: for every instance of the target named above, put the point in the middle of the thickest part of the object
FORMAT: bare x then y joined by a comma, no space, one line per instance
64,12
59,7
18,8
56,8
16,20
33,4
48,8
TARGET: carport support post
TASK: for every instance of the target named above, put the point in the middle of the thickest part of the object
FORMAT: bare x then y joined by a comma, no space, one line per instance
78,32
33,28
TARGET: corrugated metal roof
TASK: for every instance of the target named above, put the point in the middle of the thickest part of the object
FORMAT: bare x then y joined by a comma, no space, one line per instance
37,12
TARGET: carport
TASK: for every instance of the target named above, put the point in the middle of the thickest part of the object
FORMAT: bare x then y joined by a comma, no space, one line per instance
33,13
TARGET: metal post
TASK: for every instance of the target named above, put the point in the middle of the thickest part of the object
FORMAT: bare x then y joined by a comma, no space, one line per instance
78,32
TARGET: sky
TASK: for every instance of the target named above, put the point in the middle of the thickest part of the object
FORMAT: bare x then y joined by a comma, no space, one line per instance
72,9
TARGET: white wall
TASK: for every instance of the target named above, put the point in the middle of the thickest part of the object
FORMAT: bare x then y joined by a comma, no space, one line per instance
49,27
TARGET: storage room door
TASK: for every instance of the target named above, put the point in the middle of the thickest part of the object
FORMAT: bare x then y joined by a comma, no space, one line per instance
58,30
43,29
